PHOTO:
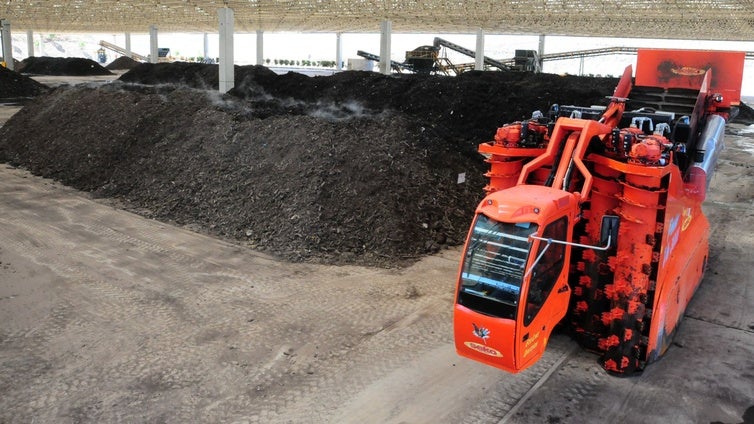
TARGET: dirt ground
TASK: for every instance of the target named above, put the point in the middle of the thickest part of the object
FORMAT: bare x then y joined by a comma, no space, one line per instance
108,316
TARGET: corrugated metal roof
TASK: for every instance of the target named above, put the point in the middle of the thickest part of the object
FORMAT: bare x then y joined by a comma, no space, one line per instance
678,19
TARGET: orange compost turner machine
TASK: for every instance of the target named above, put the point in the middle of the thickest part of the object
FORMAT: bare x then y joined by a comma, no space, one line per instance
593,217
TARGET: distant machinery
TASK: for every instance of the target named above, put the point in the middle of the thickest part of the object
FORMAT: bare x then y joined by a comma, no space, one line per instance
397,66
527,60
120,50
423,59
101,55
428,59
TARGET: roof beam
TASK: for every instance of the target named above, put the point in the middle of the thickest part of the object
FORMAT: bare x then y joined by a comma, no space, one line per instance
680,19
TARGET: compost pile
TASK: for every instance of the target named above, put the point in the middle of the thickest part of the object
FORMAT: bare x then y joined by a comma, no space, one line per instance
123,62
197,75
72,66
15,85
353,168
470,106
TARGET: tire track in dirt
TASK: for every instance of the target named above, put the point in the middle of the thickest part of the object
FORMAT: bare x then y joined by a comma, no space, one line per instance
95,300
315,367
297,316
110,297
580,381
219,334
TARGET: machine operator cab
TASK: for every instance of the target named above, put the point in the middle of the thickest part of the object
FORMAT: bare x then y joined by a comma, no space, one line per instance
513,280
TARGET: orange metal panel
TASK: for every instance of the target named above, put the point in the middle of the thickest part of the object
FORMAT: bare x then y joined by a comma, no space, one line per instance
686,68
486,339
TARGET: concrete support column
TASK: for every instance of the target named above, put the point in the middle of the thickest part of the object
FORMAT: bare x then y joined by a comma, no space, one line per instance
7,47
541,50
386,28
479,57
338,51
128,44
41,49
29,42
206,46
227,73
153,44
260,47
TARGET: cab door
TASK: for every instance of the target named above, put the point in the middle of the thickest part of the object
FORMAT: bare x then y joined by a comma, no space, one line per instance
544,301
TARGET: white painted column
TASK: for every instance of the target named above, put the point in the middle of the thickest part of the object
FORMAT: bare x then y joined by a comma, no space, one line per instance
128,44
41,45
541,51
29,42
7,47
206,47
227,73
260,47
386,28
479,56
338,51
153,44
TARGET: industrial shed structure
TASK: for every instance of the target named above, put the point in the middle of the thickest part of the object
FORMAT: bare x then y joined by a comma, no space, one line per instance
679,19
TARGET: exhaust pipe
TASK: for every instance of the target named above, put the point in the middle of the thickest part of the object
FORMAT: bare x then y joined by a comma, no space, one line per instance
708,149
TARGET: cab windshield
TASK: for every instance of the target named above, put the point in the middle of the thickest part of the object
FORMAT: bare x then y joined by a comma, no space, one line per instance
494,265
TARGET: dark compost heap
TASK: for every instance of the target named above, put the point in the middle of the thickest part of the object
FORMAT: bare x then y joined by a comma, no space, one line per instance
352,168
15,85
123,62
73,66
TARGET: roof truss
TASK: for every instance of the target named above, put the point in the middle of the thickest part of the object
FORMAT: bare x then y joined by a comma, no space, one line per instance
678,19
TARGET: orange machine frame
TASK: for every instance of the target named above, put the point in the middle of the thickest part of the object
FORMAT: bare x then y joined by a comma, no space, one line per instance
624,301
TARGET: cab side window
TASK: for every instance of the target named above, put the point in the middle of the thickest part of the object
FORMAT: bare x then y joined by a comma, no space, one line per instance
548,269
